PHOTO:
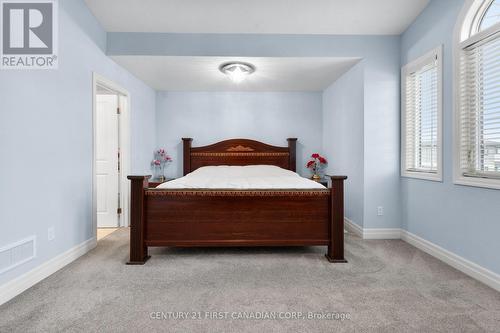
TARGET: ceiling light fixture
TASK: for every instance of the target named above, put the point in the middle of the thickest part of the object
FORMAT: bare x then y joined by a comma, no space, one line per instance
237,71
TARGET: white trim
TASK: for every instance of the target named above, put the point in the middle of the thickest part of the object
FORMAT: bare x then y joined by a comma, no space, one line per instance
481,36
125,132
413,65
436,177
465,266
476,181
15,287
371,233
27,280
465,27
124,149
353,228
469,19
382,233
476,16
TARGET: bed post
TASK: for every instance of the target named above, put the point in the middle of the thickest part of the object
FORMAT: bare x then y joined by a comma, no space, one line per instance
187,154
138,249
292,151
335,252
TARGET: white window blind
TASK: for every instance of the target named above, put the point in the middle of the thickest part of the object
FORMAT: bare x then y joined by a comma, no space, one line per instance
421,123
479,113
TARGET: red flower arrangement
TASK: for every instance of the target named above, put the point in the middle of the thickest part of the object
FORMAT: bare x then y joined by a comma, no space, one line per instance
316,163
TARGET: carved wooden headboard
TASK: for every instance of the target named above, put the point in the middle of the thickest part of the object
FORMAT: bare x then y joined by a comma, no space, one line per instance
238,152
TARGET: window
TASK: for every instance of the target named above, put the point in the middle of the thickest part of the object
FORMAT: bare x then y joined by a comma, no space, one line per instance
421,117
477,161
491,16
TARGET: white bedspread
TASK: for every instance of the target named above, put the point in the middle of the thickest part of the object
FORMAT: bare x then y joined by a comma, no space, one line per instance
242,177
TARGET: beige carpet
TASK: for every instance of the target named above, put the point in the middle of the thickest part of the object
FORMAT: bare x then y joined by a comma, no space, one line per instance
387,286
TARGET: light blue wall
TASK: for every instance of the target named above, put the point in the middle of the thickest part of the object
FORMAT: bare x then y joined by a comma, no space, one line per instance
381,137
464,220
208,117
381,57
46,139
343,137
46,129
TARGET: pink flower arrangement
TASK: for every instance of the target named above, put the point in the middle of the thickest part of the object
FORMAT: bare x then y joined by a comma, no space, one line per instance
161,159
316,164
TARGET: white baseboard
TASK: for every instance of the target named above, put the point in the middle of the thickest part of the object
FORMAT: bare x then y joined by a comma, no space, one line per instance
382,233
27,280
386,233
13,288
473,270
465,266
353,228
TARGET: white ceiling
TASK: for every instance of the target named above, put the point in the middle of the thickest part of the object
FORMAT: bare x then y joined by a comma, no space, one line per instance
356,17
202,73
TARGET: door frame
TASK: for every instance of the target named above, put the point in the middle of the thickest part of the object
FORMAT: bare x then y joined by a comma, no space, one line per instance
124,144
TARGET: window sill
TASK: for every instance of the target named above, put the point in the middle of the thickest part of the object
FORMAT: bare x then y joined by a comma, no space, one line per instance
435,177
478,182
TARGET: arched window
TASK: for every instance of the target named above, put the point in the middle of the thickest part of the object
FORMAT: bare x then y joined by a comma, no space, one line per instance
477,155
491,16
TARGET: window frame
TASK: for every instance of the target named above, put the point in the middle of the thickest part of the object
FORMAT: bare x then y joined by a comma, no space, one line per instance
477,17
466,34
411,66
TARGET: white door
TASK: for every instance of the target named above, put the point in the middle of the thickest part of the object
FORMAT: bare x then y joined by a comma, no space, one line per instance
107,174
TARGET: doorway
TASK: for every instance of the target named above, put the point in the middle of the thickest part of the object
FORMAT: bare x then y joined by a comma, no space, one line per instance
110,167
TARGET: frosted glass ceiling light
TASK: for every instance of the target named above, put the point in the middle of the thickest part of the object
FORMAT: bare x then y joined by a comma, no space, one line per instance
237,71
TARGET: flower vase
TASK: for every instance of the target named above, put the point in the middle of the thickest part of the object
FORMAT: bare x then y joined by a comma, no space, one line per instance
158,175
316,177
161,175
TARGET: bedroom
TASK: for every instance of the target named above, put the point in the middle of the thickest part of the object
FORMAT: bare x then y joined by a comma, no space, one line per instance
419,227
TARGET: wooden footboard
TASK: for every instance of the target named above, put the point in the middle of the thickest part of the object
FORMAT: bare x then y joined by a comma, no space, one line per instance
196,217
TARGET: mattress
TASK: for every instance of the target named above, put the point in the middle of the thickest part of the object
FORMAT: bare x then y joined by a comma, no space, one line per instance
242,177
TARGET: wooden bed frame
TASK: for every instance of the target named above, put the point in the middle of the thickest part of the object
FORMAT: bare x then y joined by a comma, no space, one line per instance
212,217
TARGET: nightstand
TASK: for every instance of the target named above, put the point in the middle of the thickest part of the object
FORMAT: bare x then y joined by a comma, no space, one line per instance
323,181
155,182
